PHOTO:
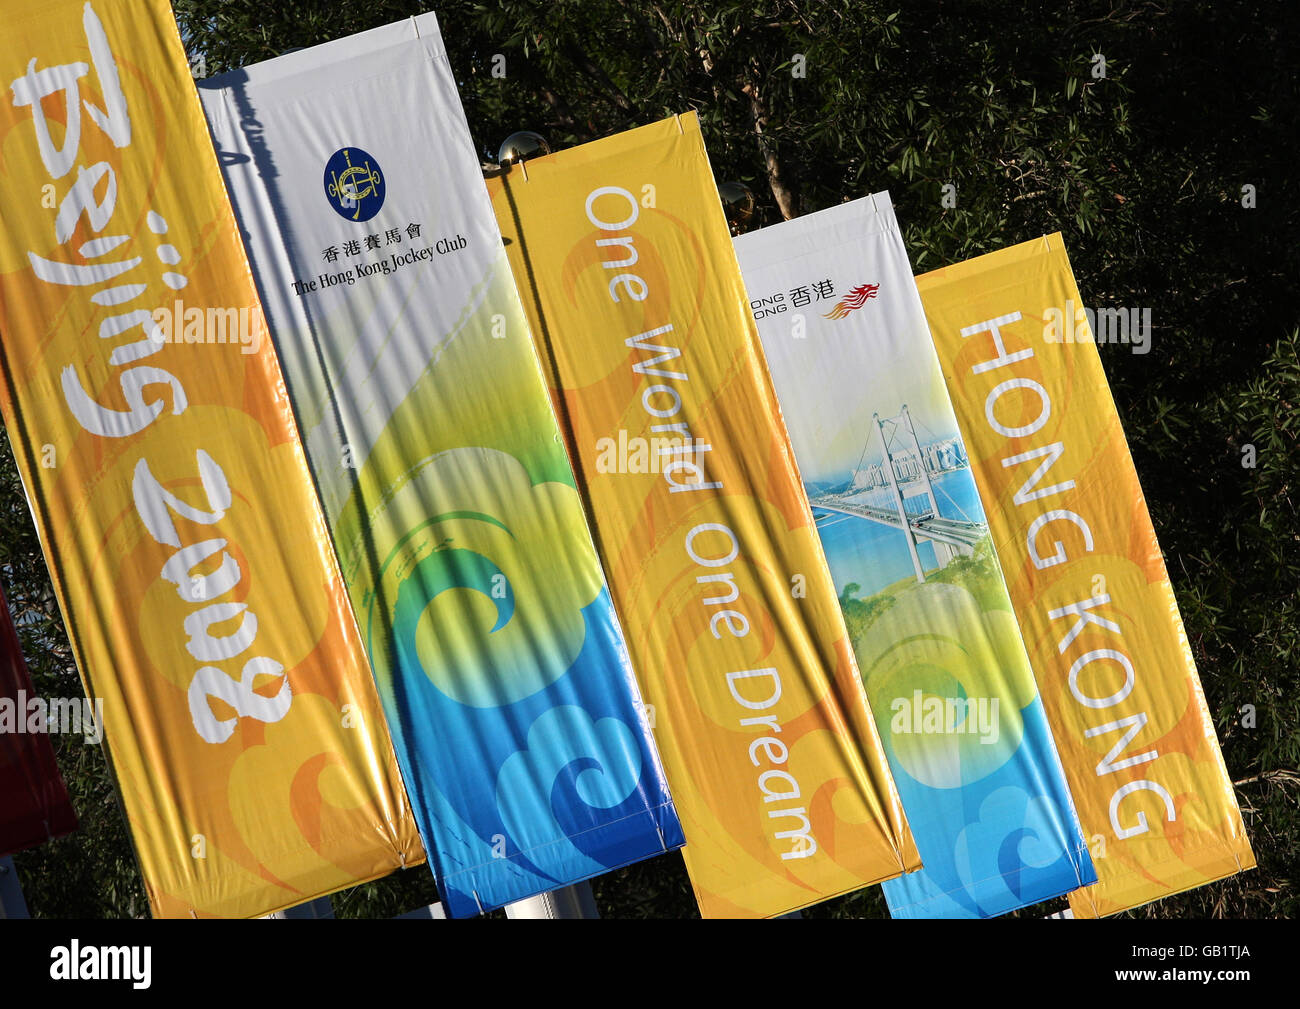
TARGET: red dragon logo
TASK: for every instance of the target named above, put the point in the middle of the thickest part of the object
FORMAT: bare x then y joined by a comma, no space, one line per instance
855,300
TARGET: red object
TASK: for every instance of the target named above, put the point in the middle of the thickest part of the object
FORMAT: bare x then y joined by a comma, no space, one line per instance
34,803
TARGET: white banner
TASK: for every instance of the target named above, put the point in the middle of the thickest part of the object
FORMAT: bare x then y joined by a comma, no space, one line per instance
448,491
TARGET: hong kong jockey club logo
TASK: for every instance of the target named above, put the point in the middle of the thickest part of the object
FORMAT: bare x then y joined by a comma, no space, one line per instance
854,300
354,184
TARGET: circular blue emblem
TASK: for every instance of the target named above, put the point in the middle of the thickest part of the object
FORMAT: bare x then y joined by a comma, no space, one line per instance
354,185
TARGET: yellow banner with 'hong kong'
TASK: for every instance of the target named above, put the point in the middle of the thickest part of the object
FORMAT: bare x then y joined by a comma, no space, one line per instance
627,270
1087,579
150,423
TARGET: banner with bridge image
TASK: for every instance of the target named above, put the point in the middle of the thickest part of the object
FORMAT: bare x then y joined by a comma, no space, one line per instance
623,255
461,534
1091,592
908,545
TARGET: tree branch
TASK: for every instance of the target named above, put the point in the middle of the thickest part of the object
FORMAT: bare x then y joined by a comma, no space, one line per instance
593,70
784,195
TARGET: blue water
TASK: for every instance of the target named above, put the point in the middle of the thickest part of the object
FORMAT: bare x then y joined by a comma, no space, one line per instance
874,555
1007,837
1006,841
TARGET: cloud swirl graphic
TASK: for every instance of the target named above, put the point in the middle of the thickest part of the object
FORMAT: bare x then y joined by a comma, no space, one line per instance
486,591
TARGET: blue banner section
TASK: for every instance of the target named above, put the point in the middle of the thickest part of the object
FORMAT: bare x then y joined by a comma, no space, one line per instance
942,660
503,672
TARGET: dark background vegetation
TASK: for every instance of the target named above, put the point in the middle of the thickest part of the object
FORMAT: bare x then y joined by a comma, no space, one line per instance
1143,173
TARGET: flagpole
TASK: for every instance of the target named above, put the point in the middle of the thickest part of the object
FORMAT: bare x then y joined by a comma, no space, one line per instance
574,901
12,904
435,911
318,908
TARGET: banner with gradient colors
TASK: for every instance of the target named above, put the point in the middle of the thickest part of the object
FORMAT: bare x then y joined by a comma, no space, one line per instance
172,497
627,270
936,640
34,803
453,507
1088,582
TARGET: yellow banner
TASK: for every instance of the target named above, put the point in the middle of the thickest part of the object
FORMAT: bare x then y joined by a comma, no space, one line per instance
1087,579
150,423
626,267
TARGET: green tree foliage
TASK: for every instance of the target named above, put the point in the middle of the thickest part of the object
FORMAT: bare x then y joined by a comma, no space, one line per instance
810,104
859,614
978,574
